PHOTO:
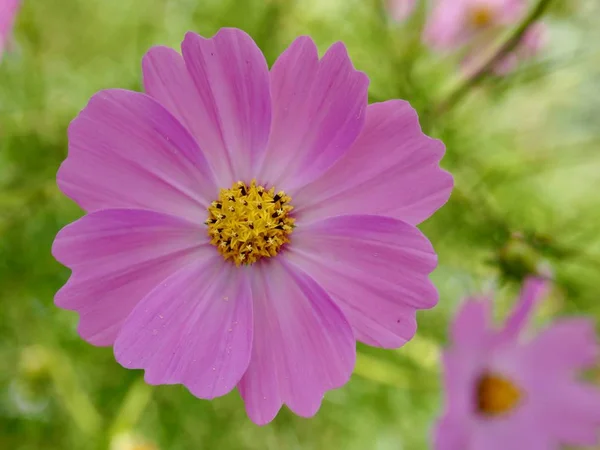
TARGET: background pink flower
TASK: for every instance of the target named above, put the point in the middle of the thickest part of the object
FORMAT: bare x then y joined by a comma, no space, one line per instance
507,392
197,274
8,14
532,43
454,23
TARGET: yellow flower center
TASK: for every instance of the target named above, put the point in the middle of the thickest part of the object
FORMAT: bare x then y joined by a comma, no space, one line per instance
481,16
496,395
247,223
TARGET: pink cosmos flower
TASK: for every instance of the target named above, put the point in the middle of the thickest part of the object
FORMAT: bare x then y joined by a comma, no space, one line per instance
245,227
532,42
454,23
400,10
8,13
506,391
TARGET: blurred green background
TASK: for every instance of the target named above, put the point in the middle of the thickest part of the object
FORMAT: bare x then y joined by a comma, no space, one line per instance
524,150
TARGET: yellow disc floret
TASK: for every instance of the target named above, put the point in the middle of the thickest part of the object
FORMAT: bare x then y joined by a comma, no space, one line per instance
496,395
247,223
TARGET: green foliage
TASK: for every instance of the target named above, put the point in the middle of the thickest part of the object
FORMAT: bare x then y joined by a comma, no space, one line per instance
523,150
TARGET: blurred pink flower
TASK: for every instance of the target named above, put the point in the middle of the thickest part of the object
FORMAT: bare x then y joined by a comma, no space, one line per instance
532,42
454,23
8,14
202,276
504,391
400,10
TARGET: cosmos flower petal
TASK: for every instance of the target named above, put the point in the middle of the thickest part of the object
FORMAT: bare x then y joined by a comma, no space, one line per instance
127,151
534,40
231,80
450,434
167,79
303,344
519,434
195,328
510,10
470,326
400,10
318,111
506,65
445,28
8,14
391,169
534,289
375,268
117,257
572,413
568,344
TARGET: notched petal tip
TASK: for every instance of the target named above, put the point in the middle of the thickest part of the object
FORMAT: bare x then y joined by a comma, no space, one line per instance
225,33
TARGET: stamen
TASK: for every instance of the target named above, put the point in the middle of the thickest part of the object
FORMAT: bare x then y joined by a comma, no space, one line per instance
256,225
496,395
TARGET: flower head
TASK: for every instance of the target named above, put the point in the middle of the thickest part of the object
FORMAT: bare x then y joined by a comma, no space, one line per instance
505,391
8,13
454,23
245,227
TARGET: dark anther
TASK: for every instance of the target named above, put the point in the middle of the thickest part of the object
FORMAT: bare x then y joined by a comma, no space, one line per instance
260,193
213,221
276,198
218,206
259,206
243,190
251,226
279,227
231,198
274,215
245,203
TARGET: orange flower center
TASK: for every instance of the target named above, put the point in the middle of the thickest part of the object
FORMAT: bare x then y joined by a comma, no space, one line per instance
496,395
481,16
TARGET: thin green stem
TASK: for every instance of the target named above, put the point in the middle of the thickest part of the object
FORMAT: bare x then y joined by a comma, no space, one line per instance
507,45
